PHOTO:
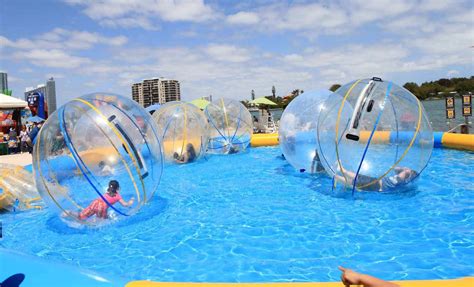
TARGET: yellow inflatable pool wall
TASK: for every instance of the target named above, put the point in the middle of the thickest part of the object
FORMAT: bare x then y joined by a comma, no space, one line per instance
458,141
264,140
444,140
461,282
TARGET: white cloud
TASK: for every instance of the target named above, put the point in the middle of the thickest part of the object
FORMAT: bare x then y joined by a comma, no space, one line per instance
243,18
60,39
228,53
88,39
352,61
4,42
13,79
26,70
51,58
140,22
140,13
192,68
309,17
364,11
436,5
335,18
294,58
449,43
56,46
184,10
452,73
409,25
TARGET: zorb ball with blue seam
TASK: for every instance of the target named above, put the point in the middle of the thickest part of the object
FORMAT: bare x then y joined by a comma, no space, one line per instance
84,145
230,126
374,135
297,132
183,129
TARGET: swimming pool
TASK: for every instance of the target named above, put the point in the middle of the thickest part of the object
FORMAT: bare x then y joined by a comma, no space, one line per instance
251,218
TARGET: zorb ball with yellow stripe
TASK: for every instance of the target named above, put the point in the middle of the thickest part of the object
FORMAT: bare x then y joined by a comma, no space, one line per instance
183,131
230,125
373,135
84,145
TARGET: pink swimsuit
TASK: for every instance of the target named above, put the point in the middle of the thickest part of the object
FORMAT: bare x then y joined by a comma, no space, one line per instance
99,206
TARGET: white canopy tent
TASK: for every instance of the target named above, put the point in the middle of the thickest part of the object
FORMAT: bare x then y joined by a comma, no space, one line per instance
9,102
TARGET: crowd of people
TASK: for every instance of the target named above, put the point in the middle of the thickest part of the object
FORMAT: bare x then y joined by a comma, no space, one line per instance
22,142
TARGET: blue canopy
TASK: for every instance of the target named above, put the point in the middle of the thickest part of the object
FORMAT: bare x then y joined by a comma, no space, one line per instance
35,119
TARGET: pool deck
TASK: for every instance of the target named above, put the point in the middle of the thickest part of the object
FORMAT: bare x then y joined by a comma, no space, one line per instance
22,159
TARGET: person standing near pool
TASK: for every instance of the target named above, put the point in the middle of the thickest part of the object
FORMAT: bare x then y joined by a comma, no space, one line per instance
24,138
99,207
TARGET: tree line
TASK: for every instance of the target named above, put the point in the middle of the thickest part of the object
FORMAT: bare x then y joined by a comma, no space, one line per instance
426,90
441,87
436,88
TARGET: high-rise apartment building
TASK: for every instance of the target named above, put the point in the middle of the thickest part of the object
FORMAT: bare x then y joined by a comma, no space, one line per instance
156,91
169,91
51,95
137,93
49,92
3,82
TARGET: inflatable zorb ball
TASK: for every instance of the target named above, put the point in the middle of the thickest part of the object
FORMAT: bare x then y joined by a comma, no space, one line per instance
374,135
297,132
183,129
84,145
230,125
19,192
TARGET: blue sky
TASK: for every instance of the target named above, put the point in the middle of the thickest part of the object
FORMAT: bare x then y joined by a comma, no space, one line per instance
228,48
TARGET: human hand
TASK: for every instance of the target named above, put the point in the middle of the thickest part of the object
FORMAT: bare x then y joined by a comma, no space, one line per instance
349,277
130,202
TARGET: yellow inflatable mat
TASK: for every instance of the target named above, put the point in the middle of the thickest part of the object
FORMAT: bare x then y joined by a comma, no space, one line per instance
461,282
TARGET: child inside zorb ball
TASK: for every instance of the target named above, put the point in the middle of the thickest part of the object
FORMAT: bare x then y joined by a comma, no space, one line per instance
373,135
87,144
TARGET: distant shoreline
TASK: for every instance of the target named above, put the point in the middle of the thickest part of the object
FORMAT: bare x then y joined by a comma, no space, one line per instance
439,98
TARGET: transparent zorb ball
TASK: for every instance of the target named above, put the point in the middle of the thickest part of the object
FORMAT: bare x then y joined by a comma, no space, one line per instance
87,143
374,135
230,126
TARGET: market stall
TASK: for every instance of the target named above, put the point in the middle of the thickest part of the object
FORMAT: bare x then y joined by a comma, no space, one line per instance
10,117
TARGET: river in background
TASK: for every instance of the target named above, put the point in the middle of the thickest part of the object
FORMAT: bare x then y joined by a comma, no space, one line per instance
436,112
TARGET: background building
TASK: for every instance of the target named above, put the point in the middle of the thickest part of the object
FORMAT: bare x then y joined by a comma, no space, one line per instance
169,91
3,82
137,93
156,91
51,95
49,92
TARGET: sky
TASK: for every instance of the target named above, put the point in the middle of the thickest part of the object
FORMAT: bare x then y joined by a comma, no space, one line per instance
228,48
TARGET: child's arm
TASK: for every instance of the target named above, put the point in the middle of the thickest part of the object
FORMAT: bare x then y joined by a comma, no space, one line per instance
129,203
350,277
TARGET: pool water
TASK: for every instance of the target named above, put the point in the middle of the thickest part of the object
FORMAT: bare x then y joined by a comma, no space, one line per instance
251,218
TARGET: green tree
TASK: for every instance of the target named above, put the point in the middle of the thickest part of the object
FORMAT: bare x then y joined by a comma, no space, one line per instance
465,86
445,82
413,88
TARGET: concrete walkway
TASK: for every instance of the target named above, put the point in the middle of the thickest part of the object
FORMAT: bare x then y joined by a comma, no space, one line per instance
17,159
